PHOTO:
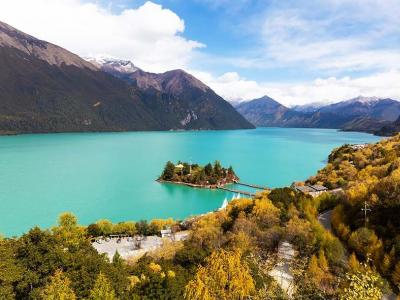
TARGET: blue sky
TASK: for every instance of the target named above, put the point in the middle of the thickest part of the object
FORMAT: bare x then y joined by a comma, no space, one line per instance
297,51
251,31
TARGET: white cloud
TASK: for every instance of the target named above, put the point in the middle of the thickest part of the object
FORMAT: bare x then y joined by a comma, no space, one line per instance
150,35
233,87
352,35
331,37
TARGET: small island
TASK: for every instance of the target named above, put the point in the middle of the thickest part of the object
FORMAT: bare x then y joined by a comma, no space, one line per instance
194,175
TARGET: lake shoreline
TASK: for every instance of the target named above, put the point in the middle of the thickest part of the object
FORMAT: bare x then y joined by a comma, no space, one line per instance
16,133
193,185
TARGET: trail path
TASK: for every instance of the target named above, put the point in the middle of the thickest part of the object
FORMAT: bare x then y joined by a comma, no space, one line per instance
281,272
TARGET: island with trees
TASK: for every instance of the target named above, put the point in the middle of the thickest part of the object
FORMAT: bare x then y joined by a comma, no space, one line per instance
194,175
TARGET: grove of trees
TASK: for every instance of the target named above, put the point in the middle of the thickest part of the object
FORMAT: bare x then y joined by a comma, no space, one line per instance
194,174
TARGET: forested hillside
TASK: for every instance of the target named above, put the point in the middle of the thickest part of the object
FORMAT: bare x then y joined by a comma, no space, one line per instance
367,217
238,252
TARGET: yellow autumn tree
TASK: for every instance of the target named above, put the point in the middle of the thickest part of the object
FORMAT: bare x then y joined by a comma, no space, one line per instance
322,261
224,277
58,288
125,228
337,221
357,192
106,226
68,230
299,231
207,232
363,285
354,264
396,274
386,264
102,289
365,242
160,224
314,271
265,212
242,241
155,268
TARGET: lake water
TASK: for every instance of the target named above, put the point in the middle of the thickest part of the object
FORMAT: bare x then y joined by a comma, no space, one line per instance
112,175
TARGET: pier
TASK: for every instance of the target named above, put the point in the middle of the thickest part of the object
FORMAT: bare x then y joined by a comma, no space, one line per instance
254,186
236,191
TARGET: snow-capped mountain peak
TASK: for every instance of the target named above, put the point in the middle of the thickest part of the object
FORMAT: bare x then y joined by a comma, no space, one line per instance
364,100
310,107
108,63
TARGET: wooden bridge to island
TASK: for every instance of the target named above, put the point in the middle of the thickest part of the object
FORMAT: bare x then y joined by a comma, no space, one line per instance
254,186
236,191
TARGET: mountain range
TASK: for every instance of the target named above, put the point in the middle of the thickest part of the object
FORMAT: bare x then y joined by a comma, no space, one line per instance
176,98
45,88
369,114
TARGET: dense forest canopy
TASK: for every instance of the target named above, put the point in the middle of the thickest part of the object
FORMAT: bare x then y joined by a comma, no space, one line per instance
232,253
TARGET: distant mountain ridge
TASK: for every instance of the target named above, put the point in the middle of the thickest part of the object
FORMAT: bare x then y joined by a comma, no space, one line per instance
367,114
45,88
373,107
263,111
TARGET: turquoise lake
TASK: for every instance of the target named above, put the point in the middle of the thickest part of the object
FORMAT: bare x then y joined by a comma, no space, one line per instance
112,175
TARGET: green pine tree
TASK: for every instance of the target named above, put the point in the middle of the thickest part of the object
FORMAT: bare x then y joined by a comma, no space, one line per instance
169,171
117,260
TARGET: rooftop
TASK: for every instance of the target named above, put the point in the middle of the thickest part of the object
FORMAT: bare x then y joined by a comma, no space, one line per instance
311,188
304,188
319,188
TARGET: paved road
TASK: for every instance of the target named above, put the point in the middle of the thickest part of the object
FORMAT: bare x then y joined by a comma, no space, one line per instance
325,220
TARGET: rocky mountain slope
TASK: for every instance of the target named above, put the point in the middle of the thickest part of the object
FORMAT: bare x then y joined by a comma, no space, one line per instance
358,114
45,88
178,99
